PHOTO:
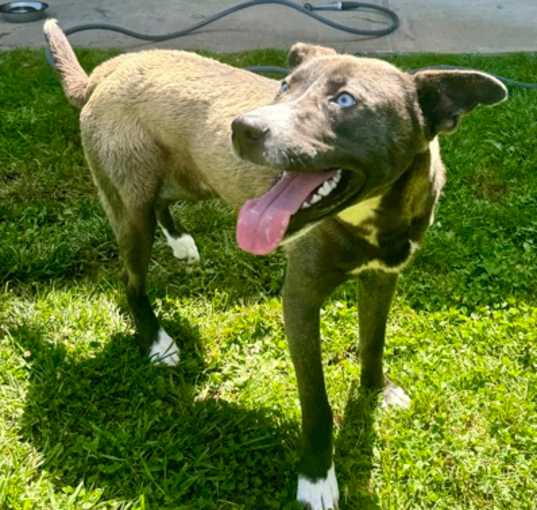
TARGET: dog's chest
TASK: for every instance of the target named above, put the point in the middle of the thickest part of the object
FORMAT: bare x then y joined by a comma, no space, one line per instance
362,216
365,219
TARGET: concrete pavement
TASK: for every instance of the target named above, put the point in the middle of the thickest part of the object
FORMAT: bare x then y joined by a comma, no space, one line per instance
443,26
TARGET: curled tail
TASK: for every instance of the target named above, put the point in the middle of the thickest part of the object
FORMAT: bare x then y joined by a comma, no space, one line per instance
73,78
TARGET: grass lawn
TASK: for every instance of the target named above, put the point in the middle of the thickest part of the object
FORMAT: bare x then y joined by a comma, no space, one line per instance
85,422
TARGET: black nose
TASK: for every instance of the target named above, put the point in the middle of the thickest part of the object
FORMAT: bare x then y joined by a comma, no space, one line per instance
249,129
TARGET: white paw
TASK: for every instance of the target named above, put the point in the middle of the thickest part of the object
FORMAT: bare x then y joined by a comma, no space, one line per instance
394,396
183,247
322,494
164,350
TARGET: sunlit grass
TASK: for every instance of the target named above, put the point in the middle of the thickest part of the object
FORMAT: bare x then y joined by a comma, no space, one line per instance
85,422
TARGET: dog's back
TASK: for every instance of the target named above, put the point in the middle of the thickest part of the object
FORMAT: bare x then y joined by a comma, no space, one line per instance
159,104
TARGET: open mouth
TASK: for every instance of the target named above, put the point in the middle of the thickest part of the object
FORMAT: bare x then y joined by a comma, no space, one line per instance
297,198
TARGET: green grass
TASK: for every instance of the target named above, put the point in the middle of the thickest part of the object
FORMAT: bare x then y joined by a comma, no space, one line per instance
85,422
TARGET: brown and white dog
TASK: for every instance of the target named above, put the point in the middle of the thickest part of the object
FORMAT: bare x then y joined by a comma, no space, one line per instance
339,163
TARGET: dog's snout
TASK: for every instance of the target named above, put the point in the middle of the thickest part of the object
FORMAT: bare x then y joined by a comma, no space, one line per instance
249,129
249,136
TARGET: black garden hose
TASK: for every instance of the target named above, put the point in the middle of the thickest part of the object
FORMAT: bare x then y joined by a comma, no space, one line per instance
307,9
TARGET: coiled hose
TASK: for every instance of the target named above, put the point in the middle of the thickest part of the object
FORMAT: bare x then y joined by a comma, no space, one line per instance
307,10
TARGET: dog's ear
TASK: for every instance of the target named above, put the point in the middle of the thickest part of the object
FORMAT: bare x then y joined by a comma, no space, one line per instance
446,95
300,52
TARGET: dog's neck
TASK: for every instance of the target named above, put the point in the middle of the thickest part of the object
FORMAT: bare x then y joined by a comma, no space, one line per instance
363,211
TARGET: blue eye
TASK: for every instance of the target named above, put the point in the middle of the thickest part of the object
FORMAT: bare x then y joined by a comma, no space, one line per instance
345,100
284,87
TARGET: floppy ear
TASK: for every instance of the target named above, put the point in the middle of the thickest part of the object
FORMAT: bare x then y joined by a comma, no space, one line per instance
446,95
300,52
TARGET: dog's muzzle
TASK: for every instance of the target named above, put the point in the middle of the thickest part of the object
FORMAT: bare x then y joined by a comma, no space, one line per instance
248,134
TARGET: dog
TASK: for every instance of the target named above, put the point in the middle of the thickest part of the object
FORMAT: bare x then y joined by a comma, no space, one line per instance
339,164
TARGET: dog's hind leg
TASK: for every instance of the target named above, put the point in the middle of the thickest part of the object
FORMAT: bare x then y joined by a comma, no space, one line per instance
375,296
135,242
126,165
181,243
133,221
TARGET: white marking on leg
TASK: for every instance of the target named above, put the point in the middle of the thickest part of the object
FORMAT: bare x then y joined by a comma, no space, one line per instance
164,350
183,247
322,494
394,396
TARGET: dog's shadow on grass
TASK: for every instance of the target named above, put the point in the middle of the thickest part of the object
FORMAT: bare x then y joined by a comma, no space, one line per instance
132,431
354,450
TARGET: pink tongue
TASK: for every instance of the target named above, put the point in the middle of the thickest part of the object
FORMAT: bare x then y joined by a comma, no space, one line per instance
263,221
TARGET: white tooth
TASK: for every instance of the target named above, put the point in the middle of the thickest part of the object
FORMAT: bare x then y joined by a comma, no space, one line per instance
327,187
315,198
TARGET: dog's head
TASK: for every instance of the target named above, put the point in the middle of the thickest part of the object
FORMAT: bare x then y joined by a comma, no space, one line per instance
340,129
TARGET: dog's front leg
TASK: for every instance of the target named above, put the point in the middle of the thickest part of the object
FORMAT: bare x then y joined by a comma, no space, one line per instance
304,292
375,297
